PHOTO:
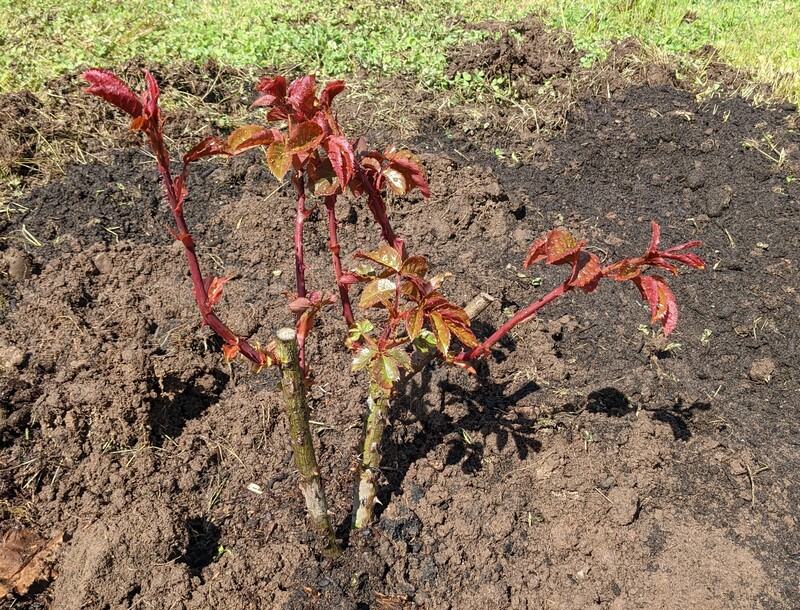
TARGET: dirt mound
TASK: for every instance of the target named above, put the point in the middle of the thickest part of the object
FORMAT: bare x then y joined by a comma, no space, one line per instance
524,56
589,464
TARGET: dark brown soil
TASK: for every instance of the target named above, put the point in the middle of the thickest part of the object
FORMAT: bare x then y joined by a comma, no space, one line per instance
589,464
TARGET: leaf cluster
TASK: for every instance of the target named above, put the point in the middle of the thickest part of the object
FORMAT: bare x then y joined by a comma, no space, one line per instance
561,248
417,316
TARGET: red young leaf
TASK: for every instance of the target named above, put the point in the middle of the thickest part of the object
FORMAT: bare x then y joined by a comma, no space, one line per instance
106,85
207,147
305,323
274,90
331,90
278,160
230,351
408,165
150,96
342,158
300,305
304,137
624,270
453,312
379,290
561,247
586,273
302,94
179,186
538,252
416,266
663,306
677,253
386,256
655,237
213,287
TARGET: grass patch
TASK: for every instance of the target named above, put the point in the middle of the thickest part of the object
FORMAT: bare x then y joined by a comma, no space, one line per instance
762,38
42,38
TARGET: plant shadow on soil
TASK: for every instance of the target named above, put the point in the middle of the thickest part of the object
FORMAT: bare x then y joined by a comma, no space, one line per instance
585,466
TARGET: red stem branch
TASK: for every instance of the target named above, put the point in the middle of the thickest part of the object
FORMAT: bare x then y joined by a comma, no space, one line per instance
378,209
200,296
522,315
333,245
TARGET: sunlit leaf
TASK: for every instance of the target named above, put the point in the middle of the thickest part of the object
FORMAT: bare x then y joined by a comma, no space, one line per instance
441,331
304,137
414,322
396,180
400,356
207,147
363,357
464,334
278,160
416,266
302,94
425,341
663,306
561,246
385,371
150,96
538,252
625,270
380,290
341,157
213,286
230,351
586,273
274,90
386,256
331,90
408,165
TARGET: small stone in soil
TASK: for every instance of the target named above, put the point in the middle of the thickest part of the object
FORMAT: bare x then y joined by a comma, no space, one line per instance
625,505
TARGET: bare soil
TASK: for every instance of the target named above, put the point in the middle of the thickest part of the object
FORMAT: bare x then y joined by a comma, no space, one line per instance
589,464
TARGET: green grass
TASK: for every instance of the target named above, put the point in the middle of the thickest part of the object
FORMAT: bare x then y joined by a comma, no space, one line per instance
40,39
759,36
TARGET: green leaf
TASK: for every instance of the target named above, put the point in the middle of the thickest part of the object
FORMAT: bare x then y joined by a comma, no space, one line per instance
378,291
425,341
363,357
278,160
400,356
385,371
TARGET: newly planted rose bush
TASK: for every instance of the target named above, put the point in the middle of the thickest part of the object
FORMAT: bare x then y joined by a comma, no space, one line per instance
405,319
